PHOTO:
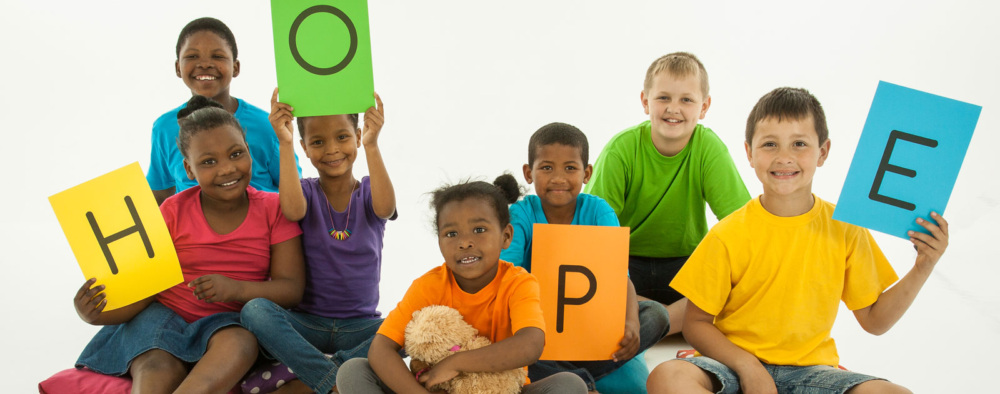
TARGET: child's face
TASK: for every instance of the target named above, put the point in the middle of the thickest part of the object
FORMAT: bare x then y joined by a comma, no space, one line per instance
558,174
331,143
206,65
471,239
220,161
785,156
674,104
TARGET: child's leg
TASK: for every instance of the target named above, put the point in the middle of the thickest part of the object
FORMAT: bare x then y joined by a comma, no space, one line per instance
563,382
357,376
878,386
230,354
156,371
679,376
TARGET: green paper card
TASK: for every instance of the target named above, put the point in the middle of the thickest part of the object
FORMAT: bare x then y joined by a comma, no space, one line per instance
322,51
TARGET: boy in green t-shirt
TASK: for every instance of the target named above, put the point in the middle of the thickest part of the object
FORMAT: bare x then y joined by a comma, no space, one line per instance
659,174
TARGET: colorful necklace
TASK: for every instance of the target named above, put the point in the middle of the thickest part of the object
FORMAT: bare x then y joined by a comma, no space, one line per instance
342,235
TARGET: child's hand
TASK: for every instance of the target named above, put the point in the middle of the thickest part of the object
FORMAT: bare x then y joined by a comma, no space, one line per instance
374,118
90,301
216,288
281,119
931,246
629,344
757,381
440,373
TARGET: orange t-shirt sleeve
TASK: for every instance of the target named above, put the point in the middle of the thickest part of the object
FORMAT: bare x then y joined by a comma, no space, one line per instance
525,304
416,297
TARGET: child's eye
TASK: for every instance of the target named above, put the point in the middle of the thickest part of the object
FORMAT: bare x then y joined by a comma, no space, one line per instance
479,230
343,137
208,162
800,143
316,143
546,168
570,168
236,154
767,144
450,234
687,100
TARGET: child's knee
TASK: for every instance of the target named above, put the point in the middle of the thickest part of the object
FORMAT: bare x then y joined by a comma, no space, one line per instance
158,362
879,386
676,373
239,342
257,312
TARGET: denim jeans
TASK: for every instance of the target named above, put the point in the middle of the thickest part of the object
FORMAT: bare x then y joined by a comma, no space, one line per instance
653,326
814,379
299,340
359,378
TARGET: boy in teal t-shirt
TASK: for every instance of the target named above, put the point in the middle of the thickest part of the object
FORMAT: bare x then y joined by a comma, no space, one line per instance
659,174
558,168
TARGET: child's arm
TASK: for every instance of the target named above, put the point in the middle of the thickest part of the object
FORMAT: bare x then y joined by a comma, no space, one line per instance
879,317
519,350
383,195
701,333
293,202
90,302
630,342
288,278
383,356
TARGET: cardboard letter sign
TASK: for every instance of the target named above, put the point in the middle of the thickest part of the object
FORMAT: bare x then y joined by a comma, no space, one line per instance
583,273
322,50
118,235
907,159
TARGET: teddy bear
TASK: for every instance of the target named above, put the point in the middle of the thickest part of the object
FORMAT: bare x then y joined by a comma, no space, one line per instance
436,332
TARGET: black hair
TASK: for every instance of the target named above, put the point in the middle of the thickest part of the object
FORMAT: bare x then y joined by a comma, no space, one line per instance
207,24
202,113
788,104
500,194
302,124
558,133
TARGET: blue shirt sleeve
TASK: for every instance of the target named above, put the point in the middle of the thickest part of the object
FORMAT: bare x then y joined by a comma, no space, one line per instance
518,249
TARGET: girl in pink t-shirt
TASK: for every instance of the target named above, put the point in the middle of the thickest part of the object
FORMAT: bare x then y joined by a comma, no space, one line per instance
233,244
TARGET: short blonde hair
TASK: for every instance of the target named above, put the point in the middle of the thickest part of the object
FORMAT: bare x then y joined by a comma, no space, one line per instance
679,64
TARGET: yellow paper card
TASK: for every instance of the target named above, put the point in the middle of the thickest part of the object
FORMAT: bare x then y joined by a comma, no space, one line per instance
118,235
583,273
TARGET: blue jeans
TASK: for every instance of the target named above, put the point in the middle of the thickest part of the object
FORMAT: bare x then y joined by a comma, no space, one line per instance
653,326
299,340
814,379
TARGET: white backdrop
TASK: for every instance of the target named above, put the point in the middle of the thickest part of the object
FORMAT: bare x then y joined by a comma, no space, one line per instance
464,85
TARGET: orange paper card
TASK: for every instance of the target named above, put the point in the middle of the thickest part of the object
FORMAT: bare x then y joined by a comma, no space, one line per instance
582,271
118,235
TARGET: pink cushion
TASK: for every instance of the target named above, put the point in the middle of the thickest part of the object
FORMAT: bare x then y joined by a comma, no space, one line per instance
86,381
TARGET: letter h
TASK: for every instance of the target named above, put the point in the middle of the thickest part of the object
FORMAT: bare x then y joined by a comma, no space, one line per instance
105,241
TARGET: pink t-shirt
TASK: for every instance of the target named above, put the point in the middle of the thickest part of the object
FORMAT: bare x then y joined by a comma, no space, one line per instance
243,254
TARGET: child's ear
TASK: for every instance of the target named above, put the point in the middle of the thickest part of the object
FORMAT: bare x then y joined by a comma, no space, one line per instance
746,145
357,135
177,68
302,142
187,169
824,152
236,68
508,234
704,107
527,173
587,172
645,102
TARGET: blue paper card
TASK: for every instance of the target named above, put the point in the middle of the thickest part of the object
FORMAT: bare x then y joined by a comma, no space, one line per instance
907,159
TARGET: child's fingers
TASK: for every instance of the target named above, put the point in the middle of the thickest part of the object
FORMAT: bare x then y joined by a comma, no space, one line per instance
942,224
86,287
378,103
274,97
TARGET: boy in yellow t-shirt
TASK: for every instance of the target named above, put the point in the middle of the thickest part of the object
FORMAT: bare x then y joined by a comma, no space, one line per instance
765,284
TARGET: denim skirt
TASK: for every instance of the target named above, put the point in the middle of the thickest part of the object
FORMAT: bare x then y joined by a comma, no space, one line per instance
112,350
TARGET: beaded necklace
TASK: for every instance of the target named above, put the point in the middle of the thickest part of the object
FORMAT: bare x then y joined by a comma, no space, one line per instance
342,235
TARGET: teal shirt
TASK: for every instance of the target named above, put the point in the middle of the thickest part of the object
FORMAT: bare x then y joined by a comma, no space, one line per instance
590,210
662,199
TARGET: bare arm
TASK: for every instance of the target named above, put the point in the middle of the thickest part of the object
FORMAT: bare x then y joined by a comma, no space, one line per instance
383,356
383,194
285,288
90,301
890,306
161,195
521,349
630,342
701,333
293,202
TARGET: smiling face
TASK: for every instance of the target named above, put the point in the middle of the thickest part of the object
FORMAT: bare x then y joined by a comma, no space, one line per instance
674,104
558,174
206,65
471,238
331,143
785,156
218,159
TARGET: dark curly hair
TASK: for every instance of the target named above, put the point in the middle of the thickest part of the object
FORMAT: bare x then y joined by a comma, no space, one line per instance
202,113
207,24
500,194
558,133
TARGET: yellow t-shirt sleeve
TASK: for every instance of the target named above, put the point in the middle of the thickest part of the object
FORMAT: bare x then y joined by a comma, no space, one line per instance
705,279
867,274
